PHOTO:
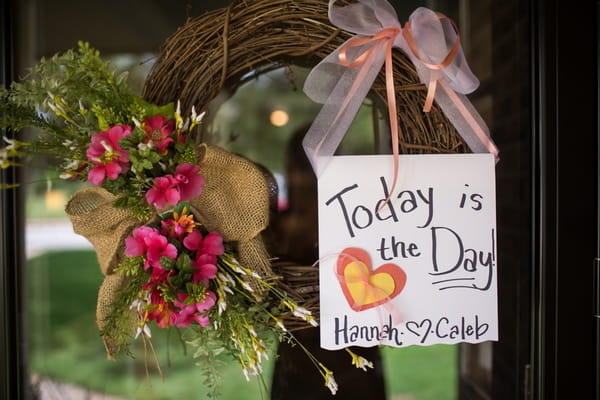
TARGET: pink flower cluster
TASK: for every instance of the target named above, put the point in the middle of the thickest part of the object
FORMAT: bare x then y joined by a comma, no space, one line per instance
203,250
181,186
109,160
106,155
158,131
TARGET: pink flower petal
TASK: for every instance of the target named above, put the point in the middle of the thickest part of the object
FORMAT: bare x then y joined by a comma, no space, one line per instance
193,241
133,247
96,175
112,170
213,244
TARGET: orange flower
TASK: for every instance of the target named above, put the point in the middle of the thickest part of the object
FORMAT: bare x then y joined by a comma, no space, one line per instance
179,225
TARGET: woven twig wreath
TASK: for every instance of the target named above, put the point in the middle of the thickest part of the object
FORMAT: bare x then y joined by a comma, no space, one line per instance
220,49
225,48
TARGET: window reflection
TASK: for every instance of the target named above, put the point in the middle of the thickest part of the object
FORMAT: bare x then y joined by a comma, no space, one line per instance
67,358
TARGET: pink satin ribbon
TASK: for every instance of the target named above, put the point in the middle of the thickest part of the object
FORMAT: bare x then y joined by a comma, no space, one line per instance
433,78
378,31
387,35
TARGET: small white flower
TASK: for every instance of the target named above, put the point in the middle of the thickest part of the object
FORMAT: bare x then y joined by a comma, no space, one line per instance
69,144
136,305
363,363
330,382
260,350
281,326
360,362
137,123
237,269
247,287
74,164
226,278
143,329
246,374
13,144
185,125
301,312
255,275
57,108
257,368
222,306
52,107
145,146
227,289
195,117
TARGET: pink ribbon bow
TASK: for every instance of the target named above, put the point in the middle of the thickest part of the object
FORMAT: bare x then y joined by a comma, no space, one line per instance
342,80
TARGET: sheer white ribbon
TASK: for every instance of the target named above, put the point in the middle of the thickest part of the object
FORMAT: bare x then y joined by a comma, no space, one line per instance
342,80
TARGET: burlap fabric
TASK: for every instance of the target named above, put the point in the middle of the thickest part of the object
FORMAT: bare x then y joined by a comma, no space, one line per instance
93,216
234,202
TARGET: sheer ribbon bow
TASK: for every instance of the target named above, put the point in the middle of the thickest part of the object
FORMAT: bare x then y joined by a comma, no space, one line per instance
342,80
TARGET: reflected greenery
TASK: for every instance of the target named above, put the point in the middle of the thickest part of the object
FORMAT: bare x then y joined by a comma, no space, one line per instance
65,345
243,124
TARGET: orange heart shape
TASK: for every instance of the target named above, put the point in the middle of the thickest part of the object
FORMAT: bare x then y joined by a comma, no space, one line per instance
364,287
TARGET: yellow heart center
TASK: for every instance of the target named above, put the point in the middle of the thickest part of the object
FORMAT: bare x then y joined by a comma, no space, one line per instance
366,288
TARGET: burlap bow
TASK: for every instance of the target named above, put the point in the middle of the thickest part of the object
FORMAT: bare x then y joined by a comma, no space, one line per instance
234,202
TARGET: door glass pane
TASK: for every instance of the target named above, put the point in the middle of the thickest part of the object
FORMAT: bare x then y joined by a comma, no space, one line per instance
66,356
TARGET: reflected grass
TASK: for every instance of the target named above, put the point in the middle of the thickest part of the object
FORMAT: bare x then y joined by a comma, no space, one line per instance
64,345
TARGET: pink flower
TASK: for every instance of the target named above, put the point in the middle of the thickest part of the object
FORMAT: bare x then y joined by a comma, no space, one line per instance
104,152
165,191
213,244
193,241
189,179
204,272
194,312
157,131
204,258
158,246
148,242
135,245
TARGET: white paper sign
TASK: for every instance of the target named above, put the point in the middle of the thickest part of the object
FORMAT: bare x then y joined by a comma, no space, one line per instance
420,269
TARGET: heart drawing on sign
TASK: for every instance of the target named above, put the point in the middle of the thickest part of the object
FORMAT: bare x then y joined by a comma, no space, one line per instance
364,287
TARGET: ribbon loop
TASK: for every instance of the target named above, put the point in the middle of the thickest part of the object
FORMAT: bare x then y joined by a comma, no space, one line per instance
342,80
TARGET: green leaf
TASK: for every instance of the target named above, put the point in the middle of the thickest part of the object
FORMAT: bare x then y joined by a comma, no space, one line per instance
167,263
184,263
167,110
180,206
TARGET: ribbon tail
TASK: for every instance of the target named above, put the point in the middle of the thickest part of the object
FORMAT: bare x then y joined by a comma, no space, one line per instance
467,121
430,96
334,119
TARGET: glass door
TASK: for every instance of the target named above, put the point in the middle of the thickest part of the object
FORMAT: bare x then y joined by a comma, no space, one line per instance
537,61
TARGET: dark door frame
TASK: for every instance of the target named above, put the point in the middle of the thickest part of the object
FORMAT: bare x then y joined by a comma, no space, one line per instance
13,369
565,128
